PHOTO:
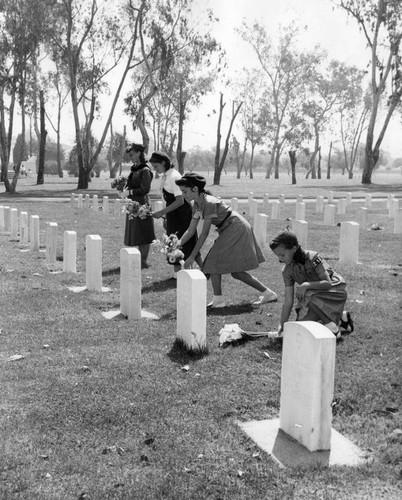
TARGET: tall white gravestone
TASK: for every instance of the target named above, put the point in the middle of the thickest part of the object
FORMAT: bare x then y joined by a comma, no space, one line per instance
260,229
24,235
398,222
276,210
93,253
349,242
234,203
191,308
300,210
307,383
95,203
34,233
6,219
80,201
105,205
300,228
70,252
329,215
130,283
319,204
342,206
51,242
14,223
362,217
1,218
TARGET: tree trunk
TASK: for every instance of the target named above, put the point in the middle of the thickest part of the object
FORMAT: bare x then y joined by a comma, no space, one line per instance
179,151
319,164
329,162
42,143
217,172
293,161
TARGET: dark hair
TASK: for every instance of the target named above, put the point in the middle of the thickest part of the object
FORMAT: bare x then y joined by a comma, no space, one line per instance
288,239
191,179
159,157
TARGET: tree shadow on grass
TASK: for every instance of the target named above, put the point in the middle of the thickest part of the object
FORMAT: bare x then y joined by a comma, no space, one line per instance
232,310
180,355
160,286
111,272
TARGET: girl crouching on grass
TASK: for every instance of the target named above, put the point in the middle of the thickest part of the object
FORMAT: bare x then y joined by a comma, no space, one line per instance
234,251
320,292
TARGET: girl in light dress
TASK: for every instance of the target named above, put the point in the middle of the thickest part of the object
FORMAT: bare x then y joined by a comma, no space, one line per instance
235,251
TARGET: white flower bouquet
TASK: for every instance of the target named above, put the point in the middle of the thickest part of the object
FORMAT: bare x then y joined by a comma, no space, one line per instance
170,248
135,209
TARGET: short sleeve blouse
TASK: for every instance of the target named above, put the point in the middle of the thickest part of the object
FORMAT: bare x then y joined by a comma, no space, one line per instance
212,208
169,182
309,271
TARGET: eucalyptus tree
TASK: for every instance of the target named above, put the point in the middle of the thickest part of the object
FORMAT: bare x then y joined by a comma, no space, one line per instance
178,78
288,71
255,117
381,24
336,87
21,32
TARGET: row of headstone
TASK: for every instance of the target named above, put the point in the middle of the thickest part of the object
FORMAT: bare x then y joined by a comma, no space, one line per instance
329,210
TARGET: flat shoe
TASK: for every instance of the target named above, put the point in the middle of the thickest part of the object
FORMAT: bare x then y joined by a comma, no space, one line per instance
265,298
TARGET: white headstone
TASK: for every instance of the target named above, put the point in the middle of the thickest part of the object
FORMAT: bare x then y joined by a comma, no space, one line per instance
70,252
14,223
276,210
330,197
266,202
158,205
307,383
34,233
368,200
299,198
191,308
393,208
342,206
362,217
87,201
349,242
260,229
7,220
329,215
300,228
300,211
398,222
24,235
130,283
51,242
253,208
95,203
80,201
348,200
390,198
72,199
1,218
93,243
281,198
117,209
250,196
319,204
234,203
105,205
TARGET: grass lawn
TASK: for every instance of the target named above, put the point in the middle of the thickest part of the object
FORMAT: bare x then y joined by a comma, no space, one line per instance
101,409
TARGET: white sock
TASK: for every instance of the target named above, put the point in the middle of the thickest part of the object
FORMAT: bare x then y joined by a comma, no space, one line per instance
332,326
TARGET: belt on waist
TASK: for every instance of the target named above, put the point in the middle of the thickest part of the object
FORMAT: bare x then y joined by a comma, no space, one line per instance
224,220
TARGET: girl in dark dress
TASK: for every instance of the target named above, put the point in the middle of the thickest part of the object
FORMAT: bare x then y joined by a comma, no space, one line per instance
177,212
139,232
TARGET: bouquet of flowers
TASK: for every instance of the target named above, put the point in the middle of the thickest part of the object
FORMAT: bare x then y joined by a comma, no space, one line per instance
134,209
119,183
170,248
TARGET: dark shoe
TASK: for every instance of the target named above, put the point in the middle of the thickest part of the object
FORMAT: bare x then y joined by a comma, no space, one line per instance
346,324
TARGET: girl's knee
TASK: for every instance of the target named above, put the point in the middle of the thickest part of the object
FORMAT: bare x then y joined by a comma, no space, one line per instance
236,276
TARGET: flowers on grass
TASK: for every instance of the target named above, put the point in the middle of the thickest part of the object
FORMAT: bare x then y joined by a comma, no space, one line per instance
135,209
170,248
119,183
